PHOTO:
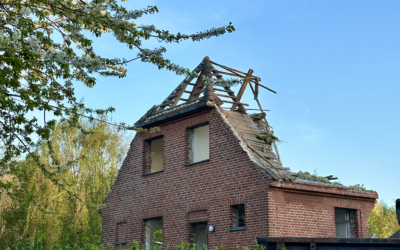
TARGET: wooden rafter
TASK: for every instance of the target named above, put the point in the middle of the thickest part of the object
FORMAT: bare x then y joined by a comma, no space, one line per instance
179,94
243,88
198,85
214,95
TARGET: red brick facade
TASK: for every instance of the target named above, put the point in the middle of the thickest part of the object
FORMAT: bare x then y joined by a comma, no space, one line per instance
205,192
297,210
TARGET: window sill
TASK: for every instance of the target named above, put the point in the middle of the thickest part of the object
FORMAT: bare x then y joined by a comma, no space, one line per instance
120,243
237,229
153,173
197,162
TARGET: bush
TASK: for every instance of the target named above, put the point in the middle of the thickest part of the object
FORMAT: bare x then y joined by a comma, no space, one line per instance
40,244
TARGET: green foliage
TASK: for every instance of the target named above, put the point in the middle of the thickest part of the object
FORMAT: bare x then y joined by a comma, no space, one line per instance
358,187
158,237
45,48
40,243
186,246
383,220
257,246
312,177
87,162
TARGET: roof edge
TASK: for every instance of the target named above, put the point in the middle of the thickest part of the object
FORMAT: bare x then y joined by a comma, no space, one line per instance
298,186
173,114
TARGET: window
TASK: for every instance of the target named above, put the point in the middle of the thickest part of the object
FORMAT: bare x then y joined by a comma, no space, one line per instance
199,143
346,221
121,233
154,233
154,155
238,218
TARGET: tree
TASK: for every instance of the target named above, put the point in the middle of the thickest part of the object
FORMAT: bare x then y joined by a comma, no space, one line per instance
383,220
61,219
45,49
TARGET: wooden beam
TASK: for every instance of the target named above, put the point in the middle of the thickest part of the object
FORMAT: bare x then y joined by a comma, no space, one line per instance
215,72
237,103
223,90
227,68
179,94
256,90
226,73
196,86
233,97
252,78
235,73
256,82
242,89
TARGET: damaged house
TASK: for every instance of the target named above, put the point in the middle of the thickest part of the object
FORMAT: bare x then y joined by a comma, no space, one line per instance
212,175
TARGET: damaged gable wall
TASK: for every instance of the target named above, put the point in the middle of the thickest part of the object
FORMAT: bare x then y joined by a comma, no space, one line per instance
186,194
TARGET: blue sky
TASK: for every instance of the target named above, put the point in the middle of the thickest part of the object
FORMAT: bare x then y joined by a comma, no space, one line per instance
335,66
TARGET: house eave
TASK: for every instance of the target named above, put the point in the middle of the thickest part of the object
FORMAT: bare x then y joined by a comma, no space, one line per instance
172,115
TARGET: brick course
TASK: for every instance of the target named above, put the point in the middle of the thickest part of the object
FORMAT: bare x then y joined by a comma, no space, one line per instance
183,194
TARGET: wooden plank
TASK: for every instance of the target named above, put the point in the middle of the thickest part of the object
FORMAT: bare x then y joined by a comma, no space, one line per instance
245,125
226,73
242,88
273,91
256,141
225,67
233,97
249,131
183,99
242,123
267,154
237,103
187,92
242,118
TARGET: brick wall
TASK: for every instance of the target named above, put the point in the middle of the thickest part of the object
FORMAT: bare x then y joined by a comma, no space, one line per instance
183,194
308,210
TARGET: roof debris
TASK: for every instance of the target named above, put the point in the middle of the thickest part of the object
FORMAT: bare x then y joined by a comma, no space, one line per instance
252,130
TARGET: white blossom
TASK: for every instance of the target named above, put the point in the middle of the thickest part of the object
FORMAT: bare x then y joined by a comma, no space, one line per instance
35,46
14,21
25,11
221,82
16,34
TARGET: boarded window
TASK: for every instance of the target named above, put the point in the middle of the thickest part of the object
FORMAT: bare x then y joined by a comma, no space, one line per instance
200,144
121,233
238,217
